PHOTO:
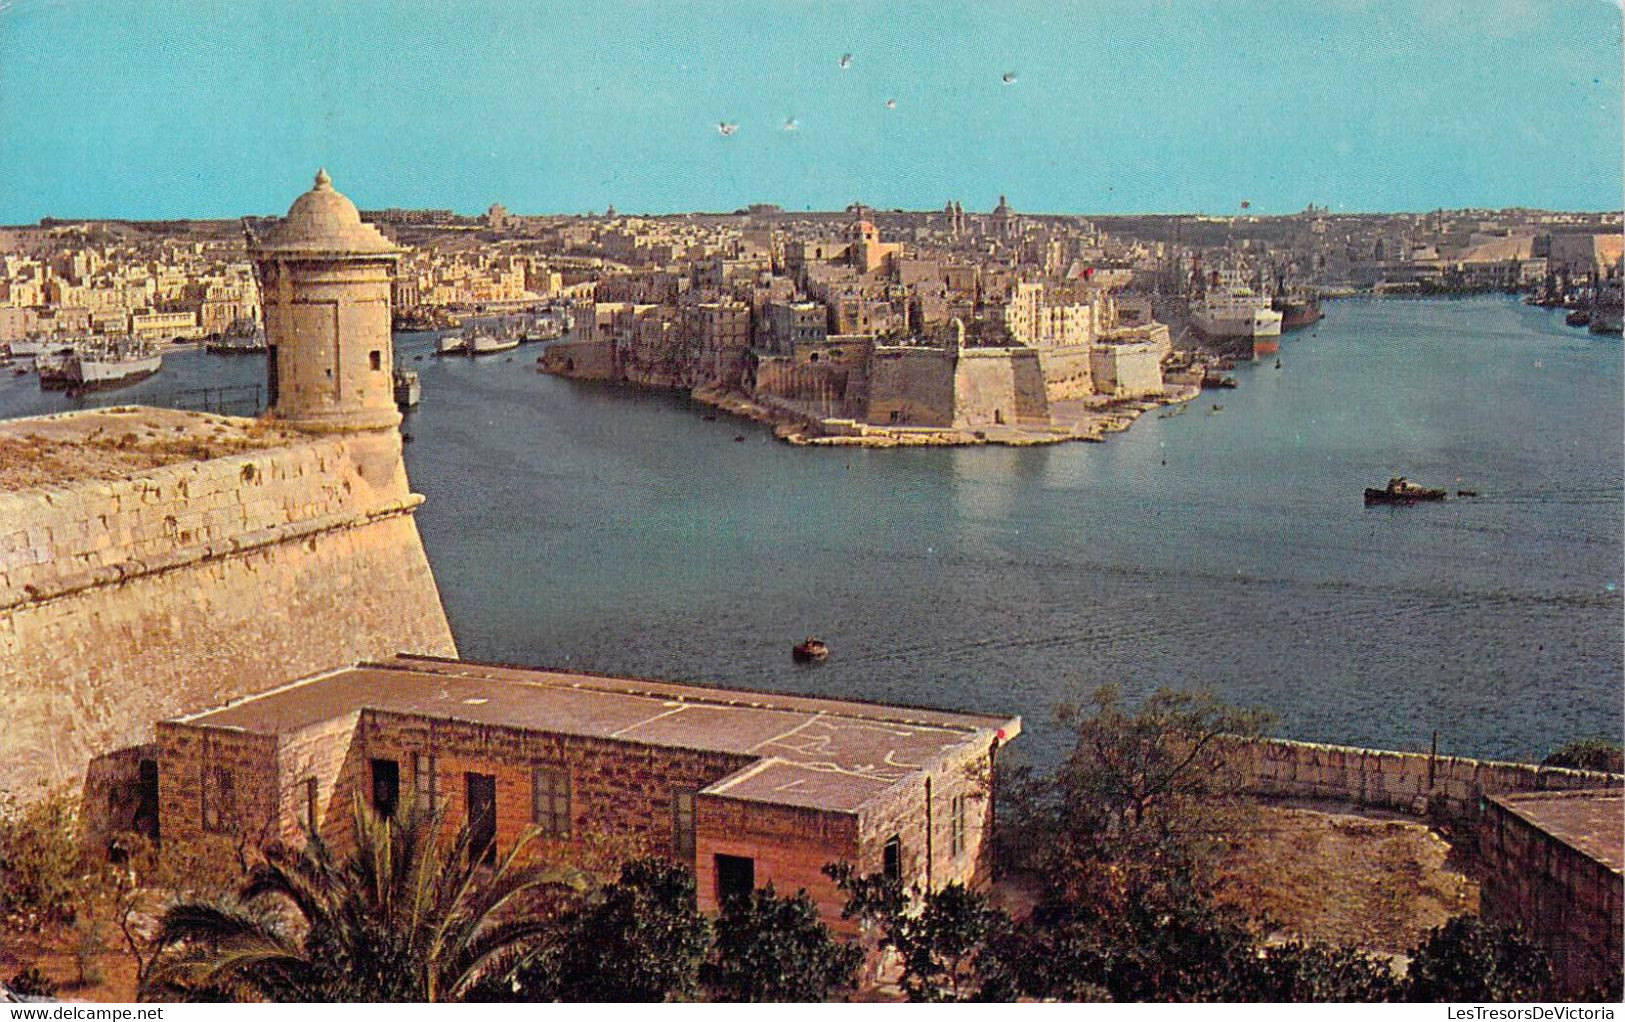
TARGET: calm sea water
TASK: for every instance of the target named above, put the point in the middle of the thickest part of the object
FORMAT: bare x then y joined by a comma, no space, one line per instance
611,529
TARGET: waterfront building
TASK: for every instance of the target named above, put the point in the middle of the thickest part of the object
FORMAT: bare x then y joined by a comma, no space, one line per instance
745,788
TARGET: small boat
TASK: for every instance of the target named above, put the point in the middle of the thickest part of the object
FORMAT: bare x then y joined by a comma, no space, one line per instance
708,418
1401,491
408,390
1277,363
1466,493
1215,408
739,438
452,344
1579,317
809,651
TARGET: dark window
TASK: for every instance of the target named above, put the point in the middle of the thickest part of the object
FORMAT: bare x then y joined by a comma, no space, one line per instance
956,836
386,786
891,859
270,376
682,825
736,876
550,801
312,819
146,799
376,360
482,817
219,799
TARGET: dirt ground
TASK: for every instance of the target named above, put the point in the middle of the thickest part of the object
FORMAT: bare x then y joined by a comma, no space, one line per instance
110,968
1379,881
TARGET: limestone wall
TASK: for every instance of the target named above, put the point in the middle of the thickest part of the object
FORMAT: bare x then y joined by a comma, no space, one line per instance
911,387
789,845
130,601
1566,900
1407,782
581,360
1066,372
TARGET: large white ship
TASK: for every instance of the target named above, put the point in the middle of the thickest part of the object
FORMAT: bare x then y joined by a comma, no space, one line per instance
97,363
1230,311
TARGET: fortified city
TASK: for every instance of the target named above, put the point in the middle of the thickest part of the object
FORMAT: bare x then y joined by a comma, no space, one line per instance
404,602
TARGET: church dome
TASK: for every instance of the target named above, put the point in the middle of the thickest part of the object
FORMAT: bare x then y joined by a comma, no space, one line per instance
323,221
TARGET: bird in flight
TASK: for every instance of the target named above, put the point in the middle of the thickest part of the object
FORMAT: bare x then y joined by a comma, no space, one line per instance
845,61
727,128
1009,78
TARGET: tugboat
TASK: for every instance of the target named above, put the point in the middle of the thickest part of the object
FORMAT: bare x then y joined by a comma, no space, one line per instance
1401,491
809,651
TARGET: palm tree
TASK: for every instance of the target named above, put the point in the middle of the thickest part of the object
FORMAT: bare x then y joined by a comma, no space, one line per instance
406,916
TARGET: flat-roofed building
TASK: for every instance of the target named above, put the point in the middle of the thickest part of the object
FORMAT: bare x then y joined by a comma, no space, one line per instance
1552,865
745,787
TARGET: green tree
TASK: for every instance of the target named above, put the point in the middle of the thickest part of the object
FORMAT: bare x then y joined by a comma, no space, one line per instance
406,916
1468,959
1589,754
1320,973
638,939
775,948
954,945
42,877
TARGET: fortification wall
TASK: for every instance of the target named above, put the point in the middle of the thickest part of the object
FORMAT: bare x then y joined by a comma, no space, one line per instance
124,602
1066,372
911,387
1406,782
580,360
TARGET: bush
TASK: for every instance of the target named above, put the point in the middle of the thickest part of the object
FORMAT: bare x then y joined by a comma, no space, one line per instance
41,879
773,948
1468,959
31,982
1589,754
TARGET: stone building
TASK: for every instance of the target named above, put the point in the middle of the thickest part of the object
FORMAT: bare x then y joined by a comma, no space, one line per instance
1552,866
746,788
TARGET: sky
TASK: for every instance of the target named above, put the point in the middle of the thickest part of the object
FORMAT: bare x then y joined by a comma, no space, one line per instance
219,108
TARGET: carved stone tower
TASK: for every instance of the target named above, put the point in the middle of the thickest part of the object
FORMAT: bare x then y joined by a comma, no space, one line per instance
325,278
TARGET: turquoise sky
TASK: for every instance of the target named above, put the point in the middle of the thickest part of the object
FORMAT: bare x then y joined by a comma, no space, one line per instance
203,108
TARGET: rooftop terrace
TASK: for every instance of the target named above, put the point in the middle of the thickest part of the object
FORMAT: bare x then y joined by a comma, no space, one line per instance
1591,822
817,753
114,443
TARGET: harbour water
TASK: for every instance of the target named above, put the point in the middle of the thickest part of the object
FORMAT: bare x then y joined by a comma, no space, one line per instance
608,529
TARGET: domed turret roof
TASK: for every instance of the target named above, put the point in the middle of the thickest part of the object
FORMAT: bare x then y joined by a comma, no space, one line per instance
323,221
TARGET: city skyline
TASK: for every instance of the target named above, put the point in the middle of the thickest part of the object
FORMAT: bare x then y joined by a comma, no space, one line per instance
200,110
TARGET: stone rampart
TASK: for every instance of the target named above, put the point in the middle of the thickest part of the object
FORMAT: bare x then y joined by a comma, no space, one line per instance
1406,782
131,600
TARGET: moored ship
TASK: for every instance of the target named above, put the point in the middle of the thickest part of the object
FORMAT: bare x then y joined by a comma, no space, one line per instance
1237,316
1297,310
98,365
423,318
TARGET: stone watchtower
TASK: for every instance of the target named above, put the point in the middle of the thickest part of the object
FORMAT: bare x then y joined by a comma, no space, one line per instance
325,279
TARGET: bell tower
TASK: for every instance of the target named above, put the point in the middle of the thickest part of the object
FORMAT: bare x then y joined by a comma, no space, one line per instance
324,277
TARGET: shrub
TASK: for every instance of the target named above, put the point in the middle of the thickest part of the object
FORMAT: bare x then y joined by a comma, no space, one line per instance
41,878
31,982
1589,754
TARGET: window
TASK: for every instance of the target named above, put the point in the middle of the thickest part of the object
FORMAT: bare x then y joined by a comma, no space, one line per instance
682,825
891,859
550,801
146,808
386,787
219,799
376,360
481,790
736,876
423,779
956,819
312,819
271,388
